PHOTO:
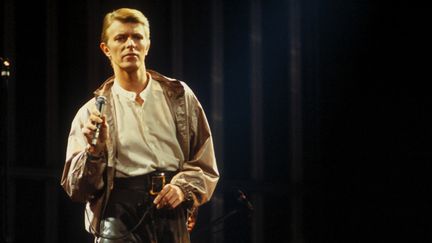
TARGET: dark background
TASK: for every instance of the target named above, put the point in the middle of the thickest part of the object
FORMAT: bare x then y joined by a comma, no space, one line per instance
344,157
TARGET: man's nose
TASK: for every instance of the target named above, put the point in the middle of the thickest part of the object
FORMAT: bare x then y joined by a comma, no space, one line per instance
130,42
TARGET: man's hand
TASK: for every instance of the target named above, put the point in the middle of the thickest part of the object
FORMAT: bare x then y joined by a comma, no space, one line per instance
170,196
89,130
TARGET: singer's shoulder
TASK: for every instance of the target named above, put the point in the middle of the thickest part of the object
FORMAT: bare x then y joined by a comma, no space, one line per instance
172,84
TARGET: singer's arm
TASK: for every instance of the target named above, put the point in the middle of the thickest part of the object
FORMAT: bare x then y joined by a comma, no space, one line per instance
82,176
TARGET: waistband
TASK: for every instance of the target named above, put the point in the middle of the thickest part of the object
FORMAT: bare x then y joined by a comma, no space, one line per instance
142,182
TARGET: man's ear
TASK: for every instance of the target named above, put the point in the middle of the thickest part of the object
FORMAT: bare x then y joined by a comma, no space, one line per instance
103,46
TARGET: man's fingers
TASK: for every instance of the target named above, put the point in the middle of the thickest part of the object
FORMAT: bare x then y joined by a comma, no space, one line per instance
88,131
161,195
174,202
96,119
90,127
170,196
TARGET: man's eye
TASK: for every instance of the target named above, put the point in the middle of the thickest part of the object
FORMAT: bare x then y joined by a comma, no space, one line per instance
137,37
119,38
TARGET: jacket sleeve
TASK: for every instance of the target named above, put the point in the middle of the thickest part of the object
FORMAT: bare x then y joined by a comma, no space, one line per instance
81,179
199,174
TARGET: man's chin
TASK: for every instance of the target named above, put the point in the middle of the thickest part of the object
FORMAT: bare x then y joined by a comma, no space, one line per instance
130,68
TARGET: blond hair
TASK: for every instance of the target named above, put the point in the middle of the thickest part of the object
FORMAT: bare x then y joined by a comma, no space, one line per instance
125,15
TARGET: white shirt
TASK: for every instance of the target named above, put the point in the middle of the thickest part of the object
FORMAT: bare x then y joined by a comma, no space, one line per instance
146,137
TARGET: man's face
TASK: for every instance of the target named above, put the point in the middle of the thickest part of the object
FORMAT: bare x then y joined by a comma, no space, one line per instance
127,46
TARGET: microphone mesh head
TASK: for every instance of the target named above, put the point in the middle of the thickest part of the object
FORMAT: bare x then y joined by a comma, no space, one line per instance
101,99
100,102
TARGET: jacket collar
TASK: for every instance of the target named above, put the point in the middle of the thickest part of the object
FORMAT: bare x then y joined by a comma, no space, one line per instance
173,86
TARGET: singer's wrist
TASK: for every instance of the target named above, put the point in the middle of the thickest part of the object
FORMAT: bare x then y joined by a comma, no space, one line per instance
92,157
93,154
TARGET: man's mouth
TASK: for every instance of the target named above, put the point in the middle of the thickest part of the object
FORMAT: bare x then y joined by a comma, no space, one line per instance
131,55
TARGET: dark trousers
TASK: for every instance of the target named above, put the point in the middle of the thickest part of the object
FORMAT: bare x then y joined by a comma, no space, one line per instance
130,200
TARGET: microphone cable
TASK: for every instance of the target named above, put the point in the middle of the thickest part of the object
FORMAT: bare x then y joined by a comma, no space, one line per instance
125,235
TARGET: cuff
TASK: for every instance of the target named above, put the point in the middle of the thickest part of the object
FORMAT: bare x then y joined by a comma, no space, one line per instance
188,195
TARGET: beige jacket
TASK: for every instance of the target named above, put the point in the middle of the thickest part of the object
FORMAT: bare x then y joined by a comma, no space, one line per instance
91,182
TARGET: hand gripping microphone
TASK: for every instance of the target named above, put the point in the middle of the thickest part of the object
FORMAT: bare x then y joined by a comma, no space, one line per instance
100,103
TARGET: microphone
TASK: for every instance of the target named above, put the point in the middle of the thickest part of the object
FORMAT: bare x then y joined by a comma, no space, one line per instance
100,103
243,199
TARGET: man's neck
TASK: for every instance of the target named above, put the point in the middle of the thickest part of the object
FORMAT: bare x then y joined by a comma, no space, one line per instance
132,81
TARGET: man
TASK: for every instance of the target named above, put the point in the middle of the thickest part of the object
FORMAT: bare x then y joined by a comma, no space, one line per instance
153,157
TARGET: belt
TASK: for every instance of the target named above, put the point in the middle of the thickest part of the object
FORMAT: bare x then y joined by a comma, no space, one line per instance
152,182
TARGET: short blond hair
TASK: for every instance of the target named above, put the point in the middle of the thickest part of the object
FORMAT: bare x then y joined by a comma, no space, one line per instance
125,15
